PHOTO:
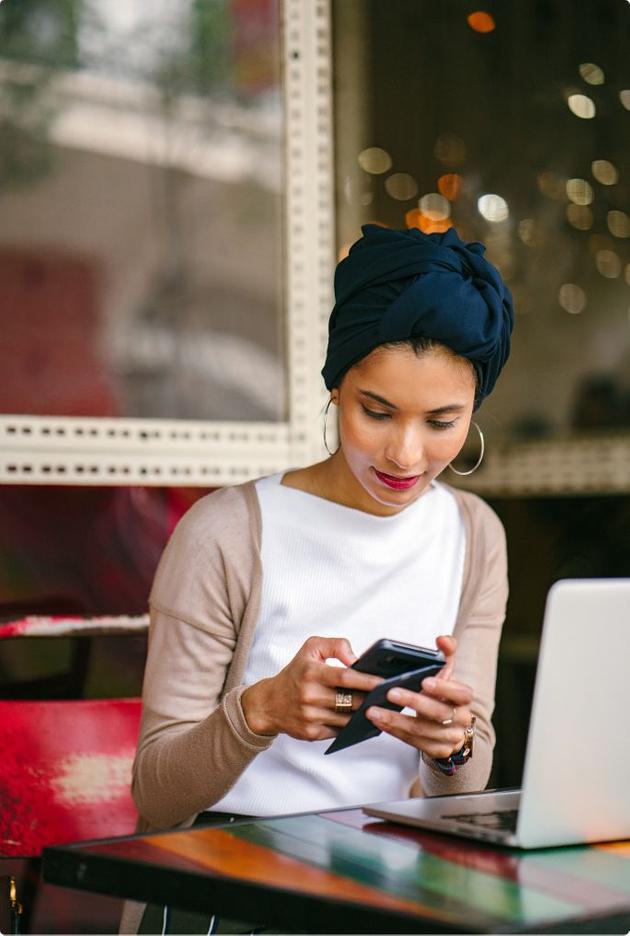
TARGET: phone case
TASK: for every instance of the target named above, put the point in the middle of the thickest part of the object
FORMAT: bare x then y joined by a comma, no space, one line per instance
360,728
389,658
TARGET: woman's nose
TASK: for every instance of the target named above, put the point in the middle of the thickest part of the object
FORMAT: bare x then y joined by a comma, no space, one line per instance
405,449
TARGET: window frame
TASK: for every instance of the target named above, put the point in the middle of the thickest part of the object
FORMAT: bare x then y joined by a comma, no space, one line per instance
127,451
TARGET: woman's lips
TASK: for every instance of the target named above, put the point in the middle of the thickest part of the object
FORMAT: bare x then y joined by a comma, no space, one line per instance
398,484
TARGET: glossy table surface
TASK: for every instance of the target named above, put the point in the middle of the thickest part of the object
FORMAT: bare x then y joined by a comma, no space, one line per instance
342,871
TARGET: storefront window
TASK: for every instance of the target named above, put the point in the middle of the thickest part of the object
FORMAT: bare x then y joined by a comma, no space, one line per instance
141,223
511,123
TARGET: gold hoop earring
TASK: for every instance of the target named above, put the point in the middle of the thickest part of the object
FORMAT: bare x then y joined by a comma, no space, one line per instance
479,460
325,439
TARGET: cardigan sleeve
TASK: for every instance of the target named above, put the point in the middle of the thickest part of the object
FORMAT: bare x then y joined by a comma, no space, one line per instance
478,631
194,741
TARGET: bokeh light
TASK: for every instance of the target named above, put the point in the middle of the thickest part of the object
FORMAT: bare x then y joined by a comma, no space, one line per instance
608,263
449,185
450,149
375,160
493,208
604,172
572,298
416,219
591,73
530,233
579,191
551,184
358,191
624,97
481,21
401,186
581,105
580,217
618,223
435,206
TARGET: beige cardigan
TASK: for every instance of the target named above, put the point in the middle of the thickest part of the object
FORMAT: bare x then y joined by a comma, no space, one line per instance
194,740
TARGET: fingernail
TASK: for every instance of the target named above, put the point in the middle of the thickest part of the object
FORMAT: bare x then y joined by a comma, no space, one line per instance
429,684
374,715
394,695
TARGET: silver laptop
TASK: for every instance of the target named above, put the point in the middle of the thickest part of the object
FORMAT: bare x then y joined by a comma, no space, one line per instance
576,781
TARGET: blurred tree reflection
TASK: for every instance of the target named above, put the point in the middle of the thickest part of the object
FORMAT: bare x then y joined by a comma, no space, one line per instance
41,33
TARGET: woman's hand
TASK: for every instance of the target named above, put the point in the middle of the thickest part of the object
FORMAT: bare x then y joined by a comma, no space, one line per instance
441,707
300,700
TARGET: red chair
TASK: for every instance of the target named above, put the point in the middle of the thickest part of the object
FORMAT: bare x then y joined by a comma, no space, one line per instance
73,625
65,773
70,683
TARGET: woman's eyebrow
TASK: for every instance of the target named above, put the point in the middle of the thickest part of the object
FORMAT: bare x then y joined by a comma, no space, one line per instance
378,399
451,408
439,411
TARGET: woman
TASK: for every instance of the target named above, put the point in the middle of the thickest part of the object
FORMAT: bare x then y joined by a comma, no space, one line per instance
263,583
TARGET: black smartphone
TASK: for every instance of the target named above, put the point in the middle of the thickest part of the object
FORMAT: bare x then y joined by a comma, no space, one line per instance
360,728
392,657
404,665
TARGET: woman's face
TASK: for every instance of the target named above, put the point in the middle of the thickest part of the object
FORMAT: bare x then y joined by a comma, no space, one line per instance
402,419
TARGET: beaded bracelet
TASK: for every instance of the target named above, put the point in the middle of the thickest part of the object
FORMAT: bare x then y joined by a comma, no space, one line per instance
448,765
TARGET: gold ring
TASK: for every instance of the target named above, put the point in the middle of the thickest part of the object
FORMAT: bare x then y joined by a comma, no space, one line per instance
449,721
343,701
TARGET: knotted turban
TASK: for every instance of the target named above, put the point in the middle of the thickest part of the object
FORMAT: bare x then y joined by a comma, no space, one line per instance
397,284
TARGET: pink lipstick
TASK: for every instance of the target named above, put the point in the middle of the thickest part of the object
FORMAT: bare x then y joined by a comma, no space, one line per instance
398,484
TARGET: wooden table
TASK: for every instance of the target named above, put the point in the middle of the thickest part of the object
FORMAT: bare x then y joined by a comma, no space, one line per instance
341,871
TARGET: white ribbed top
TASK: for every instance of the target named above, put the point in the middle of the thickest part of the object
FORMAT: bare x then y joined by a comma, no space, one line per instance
334,571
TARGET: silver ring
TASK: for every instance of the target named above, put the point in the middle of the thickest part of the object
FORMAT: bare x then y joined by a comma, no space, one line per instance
449,721
343,701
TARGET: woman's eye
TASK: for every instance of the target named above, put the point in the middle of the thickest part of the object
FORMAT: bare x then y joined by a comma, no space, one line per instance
440,424
373,414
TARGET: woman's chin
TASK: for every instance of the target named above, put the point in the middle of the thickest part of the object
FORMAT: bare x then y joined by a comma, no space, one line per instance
393,498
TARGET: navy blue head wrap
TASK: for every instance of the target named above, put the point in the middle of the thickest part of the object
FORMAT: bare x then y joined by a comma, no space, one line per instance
397,284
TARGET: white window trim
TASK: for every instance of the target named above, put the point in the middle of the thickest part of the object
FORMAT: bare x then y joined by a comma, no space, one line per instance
122,451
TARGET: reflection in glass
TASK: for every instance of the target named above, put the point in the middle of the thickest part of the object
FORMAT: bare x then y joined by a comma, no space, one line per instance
450,185
493,208
618,223
572,298
532,160
401,186
529,233
591,73
579,192
416,219
608,263
358,190
375,160
580,216
436,207
481,21
140,236
582,106
604,172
